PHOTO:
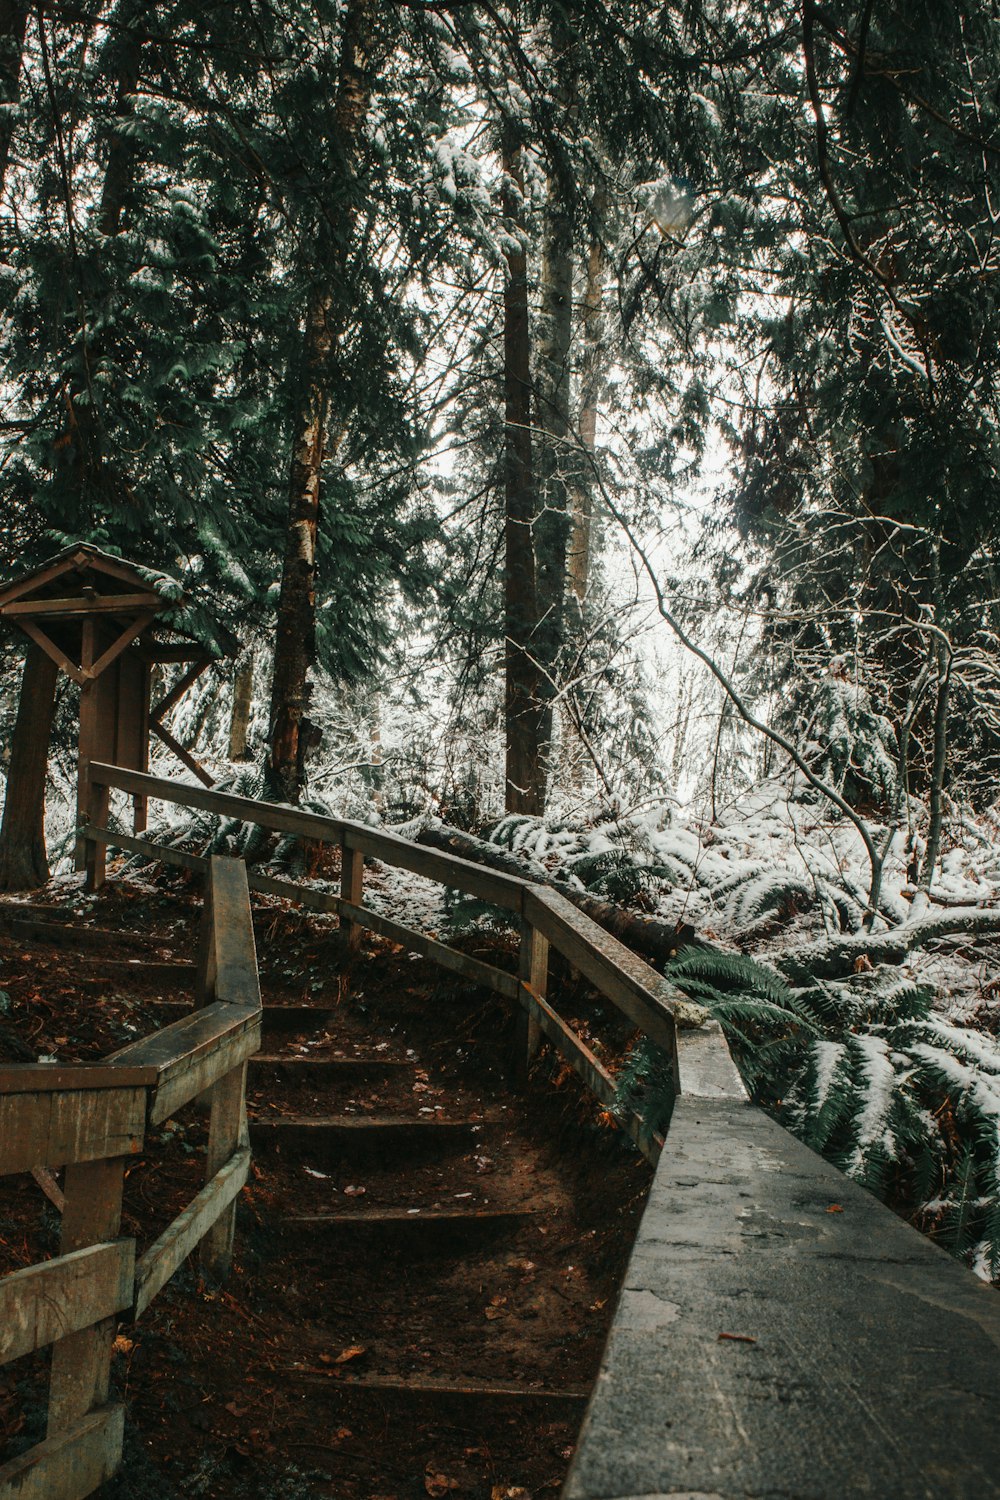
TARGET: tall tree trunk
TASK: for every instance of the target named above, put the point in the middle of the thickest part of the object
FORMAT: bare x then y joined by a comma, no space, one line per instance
13,24
554,428
294,649
593,340
294,642
118,171
92,470
579,546
939,766
522,709
23,861
239,721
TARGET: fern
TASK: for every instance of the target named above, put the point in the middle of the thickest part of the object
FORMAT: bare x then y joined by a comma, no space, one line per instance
864,1072
750,1001
645,1087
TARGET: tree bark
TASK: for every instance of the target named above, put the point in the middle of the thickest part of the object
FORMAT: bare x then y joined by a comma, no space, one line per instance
294,650
579,546
23,860
239,721
593,340
13,24
554,426
118,170
939,766
522,708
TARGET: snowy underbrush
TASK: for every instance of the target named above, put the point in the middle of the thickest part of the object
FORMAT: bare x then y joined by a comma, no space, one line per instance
867,1063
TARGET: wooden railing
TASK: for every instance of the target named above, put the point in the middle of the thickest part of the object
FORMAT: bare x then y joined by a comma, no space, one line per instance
548,921
763,1332
90,1119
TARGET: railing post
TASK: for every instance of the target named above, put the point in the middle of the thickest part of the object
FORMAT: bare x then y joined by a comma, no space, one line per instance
227,930
207,965
81,1362
227,1131
92,801
352,879
533,970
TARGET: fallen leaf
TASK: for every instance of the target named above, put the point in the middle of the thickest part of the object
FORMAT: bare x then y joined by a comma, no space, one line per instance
235,1410
737,1338
353,1192
509,1492
353,1351
438,1484
835,1208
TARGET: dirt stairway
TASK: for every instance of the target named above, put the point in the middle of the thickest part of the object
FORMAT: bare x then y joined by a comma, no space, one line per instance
406,1267
425,1263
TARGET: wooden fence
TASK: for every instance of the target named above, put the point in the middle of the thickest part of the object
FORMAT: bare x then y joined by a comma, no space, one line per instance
90,1119
699,1056
764,1328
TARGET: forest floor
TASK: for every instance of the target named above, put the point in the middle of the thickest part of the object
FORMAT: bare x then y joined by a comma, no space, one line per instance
426,1259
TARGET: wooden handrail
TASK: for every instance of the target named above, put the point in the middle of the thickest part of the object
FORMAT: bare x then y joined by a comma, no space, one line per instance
701,1064
190,1055
448,869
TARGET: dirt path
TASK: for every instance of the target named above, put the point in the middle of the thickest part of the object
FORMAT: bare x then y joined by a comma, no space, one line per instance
426,1261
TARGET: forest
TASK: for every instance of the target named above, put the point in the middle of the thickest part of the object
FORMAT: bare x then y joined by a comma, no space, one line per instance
586,419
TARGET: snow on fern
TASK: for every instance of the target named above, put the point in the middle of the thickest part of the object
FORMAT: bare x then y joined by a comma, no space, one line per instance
874,1138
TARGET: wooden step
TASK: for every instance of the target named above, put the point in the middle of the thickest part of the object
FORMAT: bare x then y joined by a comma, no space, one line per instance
361,1137
276,1018
327,1070
35,924
423,1387
74,936
432,1231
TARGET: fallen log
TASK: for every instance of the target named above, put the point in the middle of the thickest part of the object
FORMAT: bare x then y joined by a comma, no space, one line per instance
840,956
657,940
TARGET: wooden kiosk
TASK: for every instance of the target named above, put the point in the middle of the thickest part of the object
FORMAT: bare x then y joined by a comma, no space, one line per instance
107,623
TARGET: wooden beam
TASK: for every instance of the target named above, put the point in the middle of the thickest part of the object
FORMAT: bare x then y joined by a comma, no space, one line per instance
122,642
583,1062
228,1135
46,1302
178,1240
501,890
52,650
266,814
81,1363
53,1129
179,688
624,978
132,845
166,652
38,580
236,980
70,1465
101,604
184,756
49,1078
473,969
193,1053
533,969
352,880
